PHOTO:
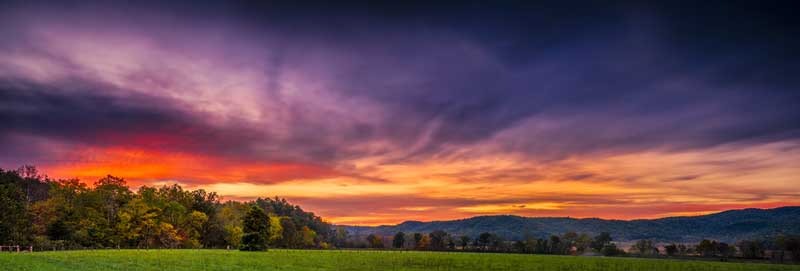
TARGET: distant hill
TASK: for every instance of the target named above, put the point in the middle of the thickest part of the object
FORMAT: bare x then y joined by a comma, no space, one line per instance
726,226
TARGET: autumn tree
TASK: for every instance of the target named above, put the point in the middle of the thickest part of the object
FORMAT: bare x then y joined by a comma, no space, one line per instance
423,243
192,228
307,236
230,216
275,230
340,237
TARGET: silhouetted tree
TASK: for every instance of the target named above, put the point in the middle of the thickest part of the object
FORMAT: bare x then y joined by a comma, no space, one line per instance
582,243
791,244
601,240
464,242
644,247
725,250
439,240
375,241
751,249
518,246
671,249
417,239
683,249
568,240
555,246
484,240
707,248
399,240
611,249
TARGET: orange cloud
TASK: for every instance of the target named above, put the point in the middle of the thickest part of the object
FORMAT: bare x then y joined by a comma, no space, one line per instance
620,186
143,167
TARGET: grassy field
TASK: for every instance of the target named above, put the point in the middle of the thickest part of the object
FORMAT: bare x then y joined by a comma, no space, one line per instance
163,260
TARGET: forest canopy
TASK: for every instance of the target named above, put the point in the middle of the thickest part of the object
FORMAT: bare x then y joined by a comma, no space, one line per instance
68,214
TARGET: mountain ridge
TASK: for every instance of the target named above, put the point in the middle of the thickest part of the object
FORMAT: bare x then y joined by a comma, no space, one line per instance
728,226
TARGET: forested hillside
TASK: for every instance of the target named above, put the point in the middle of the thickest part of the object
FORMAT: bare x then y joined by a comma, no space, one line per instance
64,214
725,226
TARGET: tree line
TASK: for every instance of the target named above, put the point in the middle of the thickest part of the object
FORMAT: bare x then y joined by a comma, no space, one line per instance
569,243
780,248
68,214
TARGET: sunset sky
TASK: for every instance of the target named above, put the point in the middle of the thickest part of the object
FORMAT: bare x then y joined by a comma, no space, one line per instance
379,114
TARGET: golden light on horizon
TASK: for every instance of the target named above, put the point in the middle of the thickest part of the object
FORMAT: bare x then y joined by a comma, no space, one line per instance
588,186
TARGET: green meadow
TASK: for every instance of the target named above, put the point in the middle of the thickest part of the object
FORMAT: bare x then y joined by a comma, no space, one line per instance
300,260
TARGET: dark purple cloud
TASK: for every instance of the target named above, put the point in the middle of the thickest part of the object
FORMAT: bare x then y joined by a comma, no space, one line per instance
624,76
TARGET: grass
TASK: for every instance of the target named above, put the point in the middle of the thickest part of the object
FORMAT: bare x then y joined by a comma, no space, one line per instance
301,260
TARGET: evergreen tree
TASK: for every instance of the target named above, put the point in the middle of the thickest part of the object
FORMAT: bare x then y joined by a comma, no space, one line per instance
256,230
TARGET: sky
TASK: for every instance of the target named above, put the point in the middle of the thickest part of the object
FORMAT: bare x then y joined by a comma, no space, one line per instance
387,112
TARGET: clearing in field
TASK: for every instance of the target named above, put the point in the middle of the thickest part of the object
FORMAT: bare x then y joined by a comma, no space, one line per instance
301,260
